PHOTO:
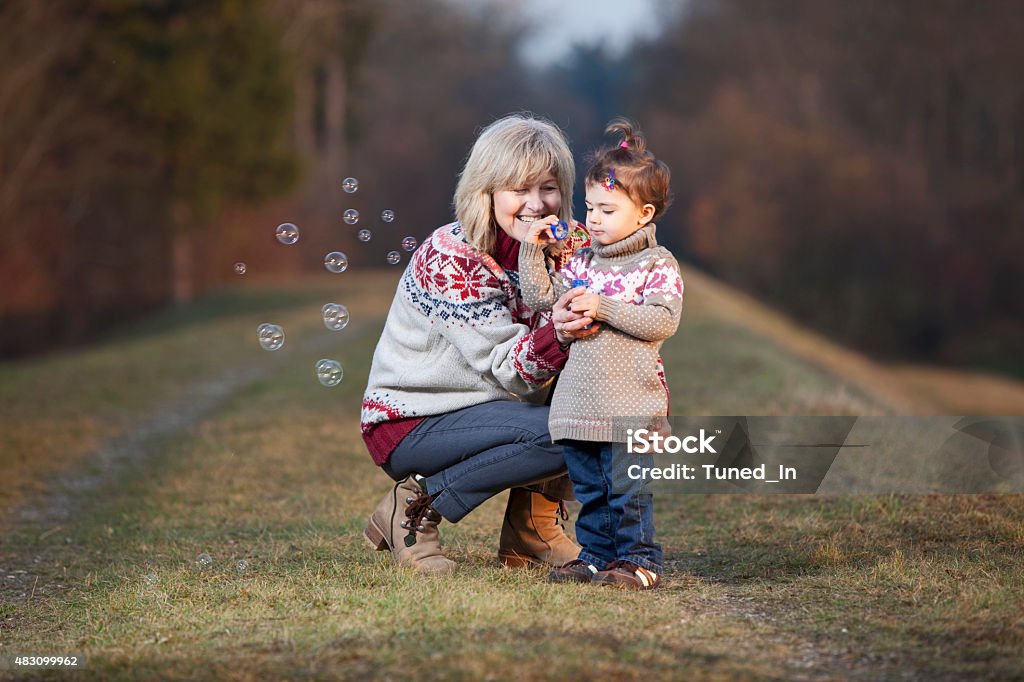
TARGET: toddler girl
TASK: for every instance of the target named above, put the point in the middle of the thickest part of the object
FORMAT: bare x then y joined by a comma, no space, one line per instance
613,379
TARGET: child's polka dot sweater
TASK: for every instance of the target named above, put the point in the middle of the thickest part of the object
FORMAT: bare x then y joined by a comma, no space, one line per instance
613,380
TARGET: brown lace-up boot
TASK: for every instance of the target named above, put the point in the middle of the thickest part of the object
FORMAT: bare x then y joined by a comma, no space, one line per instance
532,533
405,523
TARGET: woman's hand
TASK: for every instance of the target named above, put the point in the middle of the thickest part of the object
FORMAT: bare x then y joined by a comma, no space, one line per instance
540,231
569,325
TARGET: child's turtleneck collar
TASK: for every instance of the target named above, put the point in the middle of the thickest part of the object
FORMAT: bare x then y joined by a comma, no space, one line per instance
638,241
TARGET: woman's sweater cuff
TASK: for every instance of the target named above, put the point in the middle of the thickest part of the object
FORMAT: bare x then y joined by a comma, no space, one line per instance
547,347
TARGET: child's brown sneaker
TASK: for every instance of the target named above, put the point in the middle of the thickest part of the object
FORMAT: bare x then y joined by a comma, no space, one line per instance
627,575
576,571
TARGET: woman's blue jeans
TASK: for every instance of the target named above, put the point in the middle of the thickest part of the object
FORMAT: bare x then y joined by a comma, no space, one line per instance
612,524
472,454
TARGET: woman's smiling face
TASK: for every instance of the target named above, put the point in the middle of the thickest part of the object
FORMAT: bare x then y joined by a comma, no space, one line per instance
516,208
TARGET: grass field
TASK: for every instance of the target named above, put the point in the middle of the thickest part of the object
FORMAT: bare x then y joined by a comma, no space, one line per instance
124,462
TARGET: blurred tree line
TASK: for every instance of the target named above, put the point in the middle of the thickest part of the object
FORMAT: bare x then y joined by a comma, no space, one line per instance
857,164
125,129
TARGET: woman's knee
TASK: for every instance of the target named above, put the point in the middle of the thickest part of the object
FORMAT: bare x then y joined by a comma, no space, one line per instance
534,420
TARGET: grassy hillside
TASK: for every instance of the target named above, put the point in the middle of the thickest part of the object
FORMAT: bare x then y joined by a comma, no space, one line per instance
124,462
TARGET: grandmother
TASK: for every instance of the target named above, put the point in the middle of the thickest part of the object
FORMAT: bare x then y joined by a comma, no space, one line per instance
454,408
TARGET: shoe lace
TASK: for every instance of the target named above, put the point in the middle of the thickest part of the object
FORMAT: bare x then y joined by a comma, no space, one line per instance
417,512
420,508
618,563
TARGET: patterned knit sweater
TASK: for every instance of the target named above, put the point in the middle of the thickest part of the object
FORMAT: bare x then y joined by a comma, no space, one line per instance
458,334
613,380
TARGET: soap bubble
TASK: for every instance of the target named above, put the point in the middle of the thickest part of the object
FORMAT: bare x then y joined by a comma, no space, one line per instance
336,261
409,243
329,372
242,566
151,579
335,316
271,336
240,268
350,216
394,257
204,561
364,235
350,185
387,215
287,233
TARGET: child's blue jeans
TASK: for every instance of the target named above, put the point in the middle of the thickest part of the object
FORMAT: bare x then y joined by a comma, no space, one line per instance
611,525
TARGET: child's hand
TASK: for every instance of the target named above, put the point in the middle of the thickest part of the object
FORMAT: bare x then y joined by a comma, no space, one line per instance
540,231
586,305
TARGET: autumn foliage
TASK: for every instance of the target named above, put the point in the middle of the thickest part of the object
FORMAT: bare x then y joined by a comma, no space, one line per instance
859,165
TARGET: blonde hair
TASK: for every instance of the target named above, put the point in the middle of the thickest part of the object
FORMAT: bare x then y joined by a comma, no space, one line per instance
513,151
643,178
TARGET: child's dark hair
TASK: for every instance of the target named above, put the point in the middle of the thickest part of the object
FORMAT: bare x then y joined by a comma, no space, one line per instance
635,171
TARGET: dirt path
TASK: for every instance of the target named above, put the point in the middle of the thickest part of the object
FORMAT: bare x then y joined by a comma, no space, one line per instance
314,569
907,389
66,491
